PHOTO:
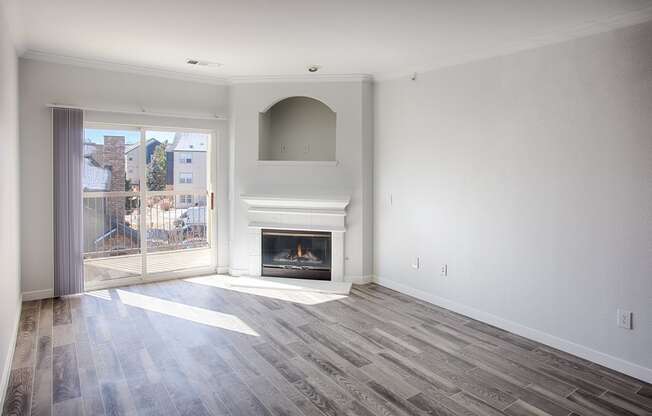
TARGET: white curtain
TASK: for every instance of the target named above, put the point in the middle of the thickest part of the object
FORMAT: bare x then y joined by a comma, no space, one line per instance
68,146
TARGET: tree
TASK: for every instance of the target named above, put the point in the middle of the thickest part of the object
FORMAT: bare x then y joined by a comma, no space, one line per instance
157,169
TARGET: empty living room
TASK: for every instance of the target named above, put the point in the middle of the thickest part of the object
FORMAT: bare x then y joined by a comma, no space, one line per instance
326,208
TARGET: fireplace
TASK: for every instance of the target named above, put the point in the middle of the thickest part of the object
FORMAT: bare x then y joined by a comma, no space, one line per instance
297,254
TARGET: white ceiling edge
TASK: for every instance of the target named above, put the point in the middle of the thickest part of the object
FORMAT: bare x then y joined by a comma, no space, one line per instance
559,36
187,76
121,67
582,30
301,78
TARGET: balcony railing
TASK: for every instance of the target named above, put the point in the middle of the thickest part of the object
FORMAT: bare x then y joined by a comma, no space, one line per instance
171,220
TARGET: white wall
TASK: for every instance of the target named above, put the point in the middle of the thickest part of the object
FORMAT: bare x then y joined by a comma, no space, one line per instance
351,101
530,176
42,83
9,209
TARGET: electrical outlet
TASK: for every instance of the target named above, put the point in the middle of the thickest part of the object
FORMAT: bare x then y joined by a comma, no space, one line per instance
283,148
443,271
624,319
417,263
306,149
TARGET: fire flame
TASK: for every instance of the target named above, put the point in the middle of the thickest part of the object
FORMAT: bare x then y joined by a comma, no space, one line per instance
299,252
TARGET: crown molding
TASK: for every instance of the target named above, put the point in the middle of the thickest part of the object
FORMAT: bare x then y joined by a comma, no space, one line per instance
254,79
185,76
121,67
553,37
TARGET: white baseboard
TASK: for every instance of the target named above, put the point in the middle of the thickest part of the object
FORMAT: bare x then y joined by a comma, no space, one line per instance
238,272
38,294
6,369
222,270
359,280
609,361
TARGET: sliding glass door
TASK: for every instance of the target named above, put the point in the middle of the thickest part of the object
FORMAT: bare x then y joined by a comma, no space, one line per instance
178,203
148,204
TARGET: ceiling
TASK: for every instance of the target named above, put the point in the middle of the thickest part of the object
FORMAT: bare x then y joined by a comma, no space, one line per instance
283,37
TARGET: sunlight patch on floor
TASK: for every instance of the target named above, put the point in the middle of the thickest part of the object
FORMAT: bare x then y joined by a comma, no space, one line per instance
190,313
270,289
100,294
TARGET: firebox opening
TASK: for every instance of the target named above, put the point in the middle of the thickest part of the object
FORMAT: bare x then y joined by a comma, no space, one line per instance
297,254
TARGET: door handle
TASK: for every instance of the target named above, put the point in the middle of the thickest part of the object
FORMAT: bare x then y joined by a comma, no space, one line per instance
212,201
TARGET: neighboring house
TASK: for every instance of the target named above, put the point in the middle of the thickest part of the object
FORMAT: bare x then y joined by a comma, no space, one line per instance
104,168
132,159
97,177
187,168
104,171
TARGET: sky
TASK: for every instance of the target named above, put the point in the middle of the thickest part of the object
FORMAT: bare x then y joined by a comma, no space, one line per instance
131,136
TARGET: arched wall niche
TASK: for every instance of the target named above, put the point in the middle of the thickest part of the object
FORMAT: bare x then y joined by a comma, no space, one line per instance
297,129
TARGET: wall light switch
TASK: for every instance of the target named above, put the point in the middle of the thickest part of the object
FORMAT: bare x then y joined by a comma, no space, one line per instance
624,319
444,270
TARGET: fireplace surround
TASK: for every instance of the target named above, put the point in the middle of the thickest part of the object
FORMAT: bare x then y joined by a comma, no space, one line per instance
298,215
296,254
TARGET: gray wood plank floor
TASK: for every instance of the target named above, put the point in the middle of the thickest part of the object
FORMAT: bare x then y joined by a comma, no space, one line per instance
200,347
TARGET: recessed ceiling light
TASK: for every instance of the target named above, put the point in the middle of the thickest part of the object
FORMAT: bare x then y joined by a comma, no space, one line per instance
199,62
313,68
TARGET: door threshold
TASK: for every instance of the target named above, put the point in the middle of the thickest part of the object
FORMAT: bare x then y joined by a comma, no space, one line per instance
132,281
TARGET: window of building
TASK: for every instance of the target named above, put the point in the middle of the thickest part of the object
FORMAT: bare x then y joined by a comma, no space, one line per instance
186,199
185,158
185,177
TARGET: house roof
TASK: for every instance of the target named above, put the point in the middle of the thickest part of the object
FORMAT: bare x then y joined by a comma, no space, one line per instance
118,228
136,145
96,177
189,142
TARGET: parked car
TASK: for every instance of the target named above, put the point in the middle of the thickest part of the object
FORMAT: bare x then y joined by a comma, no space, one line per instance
194,225
194,216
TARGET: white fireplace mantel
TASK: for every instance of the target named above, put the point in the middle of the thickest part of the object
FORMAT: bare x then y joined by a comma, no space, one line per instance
298,213
295,202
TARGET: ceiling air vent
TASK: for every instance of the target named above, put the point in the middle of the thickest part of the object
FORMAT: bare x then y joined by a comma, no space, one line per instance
198,62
